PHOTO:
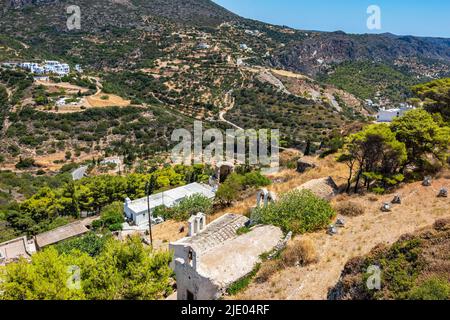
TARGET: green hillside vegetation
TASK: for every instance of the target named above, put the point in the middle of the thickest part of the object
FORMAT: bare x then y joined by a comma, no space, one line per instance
435,96
366,79
297,118
128,271
137,131
60,202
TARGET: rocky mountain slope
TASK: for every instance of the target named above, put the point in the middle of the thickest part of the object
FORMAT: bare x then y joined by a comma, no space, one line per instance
319,51
192,59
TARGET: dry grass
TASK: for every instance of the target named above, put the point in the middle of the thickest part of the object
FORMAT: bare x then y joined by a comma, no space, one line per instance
349,209
290,180
299,253
267,270
420,208
96,101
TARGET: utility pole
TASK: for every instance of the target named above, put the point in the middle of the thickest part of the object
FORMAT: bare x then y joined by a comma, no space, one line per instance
149,188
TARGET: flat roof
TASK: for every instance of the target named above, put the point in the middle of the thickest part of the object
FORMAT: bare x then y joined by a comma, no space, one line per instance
233,259
60,234
215,233
324,188
170,197
14,249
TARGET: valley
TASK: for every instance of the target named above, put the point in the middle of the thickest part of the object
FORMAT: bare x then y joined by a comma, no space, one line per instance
88,124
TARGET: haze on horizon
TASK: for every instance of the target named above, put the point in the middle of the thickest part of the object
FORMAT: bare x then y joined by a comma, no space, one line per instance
402,17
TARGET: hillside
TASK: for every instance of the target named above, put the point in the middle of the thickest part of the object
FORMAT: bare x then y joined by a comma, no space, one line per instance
415,267
319,51
152,66
361,234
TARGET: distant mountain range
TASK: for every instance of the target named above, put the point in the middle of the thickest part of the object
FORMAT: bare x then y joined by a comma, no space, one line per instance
308,52
179,60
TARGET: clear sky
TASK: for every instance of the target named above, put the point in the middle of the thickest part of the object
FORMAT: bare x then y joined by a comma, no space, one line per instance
402,17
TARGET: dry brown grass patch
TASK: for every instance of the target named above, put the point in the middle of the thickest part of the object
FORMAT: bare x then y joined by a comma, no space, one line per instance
299,253
268,269
349,209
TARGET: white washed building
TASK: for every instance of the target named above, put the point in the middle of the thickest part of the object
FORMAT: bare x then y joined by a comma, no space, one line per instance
137,211
215,256
56,67
388,115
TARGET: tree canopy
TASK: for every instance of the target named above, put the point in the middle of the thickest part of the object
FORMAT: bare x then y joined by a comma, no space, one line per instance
435,96
375,155
126,270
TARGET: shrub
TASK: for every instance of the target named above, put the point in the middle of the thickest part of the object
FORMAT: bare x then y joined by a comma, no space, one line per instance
349,209
301,252
186,208
90,244
256,179
25,163
226,194
229,190
296,211
111,217
432,289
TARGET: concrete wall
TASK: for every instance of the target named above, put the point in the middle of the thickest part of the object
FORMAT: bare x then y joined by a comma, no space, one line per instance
187,277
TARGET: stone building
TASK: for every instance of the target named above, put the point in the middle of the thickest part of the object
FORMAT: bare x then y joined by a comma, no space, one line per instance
324,188
13,250
214,256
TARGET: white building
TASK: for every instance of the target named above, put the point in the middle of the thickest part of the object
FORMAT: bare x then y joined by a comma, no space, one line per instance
203,46
388,115
214,256
61,69
243,46
48,67
137,211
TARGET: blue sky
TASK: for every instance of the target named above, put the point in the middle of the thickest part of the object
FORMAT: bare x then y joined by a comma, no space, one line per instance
403,17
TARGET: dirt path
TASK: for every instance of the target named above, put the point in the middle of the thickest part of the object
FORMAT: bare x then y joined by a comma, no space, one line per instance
61,85
229,102
420,208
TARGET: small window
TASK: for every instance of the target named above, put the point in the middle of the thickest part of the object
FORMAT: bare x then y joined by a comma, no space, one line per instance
190,256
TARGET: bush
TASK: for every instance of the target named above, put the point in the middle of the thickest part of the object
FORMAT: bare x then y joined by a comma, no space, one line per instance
90,244
255,180
301,252
111,217
226,194
433,289
186,208
25,163
229,190
297,211
349,209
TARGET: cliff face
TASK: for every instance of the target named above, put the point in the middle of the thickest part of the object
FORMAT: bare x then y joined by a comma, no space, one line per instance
319,51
